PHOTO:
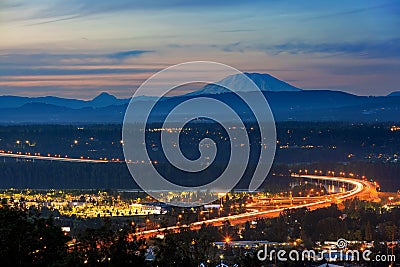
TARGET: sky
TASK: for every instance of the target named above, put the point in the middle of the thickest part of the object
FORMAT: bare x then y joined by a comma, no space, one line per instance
79,48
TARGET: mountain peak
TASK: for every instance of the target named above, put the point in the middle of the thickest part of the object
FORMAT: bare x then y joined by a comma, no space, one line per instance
104,99
104,96
265,82
397,93
256,74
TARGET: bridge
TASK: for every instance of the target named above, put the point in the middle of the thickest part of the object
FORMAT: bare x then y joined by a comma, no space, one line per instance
50,158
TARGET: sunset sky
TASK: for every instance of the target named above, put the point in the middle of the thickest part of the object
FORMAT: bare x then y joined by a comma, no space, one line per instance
80,48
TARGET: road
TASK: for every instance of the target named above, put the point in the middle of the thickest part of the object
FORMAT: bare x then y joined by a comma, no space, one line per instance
52,158
361,188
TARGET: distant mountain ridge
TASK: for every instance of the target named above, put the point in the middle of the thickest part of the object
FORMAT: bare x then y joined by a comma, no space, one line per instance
287,102
102,100
265,82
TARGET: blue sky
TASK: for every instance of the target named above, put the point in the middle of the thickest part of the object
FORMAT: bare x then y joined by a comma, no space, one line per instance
79,48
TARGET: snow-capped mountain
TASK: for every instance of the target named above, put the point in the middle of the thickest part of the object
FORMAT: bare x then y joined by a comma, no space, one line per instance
394,93
265,82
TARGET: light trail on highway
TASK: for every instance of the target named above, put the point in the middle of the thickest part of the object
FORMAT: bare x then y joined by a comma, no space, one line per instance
50,158
360,187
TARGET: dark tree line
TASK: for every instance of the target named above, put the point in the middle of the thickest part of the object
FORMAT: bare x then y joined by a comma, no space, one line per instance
359,220
28,240
332,141
43,175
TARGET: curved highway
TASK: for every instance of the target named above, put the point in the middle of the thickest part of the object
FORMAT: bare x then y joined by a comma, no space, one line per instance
361,188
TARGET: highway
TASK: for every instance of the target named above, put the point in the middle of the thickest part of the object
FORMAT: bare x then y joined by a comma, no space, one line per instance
52,158
361,188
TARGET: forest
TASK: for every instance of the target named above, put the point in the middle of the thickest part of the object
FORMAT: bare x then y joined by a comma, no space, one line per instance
29,240
370,150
